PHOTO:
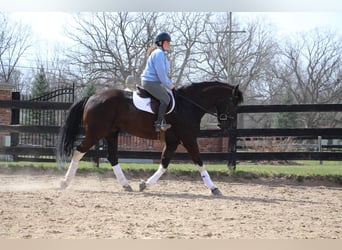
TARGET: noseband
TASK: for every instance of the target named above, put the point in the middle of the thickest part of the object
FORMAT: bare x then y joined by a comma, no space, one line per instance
225,116
223,119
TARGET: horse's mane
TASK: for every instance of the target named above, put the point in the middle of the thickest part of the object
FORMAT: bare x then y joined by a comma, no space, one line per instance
196,87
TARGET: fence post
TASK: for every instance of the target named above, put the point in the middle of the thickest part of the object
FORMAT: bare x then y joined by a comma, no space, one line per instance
5,117
97,159
73,91
15,119
232,144
319,139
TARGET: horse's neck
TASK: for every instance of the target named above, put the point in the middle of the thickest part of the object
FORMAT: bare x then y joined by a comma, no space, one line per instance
200,100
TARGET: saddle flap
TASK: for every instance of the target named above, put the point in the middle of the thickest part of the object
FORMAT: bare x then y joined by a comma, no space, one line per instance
143,100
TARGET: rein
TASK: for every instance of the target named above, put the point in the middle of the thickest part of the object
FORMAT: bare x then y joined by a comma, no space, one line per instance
198,105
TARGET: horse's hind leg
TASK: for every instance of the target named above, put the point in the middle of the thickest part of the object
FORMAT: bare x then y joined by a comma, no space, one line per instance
70,174
167,154
77,155
112,143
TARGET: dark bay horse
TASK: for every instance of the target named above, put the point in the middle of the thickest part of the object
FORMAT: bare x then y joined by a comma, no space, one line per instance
108,112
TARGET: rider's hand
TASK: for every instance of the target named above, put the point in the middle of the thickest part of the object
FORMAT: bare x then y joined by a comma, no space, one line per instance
172,87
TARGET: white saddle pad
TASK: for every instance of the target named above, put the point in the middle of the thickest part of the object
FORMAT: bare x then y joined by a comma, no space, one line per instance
144,104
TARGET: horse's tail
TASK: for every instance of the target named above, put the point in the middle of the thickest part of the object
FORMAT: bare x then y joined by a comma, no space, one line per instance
70,130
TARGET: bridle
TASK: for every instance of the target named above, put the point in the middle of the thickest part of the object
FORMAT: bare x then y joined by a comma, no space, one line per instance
220,117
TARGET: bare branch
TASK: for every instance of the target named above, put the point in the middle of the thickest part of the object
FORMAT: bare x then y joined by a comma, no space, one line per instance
14,42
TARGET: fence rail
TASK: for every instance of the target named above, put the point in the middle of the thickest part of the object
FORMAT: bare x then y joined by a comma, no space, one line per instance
36,153
39,152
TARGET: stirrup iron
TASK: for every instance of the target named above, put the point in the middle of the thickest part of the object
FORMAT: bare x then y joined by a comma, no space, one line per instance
161,126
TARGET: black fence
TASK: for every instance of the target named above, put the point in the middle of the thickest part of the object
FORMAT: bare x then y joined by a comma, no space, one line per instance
297,133
35,141
38,117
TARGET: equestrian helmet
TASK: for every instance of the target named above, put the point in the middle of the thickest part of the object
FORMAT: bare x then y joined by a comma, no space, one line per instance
163,36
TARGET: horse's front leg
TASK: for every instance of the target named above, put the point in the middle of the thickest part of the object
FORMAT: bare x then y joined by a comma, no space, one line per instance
112,143
192,148
166,156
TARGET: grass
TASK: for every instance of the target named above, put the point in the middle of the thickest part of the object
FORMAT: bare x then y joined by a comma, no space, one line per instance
302,168
305,168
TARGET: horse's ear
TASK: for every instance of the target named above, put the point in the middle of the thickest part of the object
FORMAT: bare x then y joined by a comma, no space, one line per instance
236,90
237,95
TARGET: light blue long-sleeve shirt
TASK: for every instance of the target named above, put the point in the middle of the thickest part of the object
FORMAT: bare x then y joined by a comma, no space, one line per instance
157,68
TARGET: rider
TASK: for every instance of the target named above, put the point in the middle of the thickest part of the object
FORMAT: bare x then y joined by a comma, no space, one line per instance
154,78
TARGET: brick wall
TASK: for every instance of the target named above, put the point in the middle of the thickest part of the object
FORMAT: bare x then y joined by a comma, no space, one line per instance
132,143
5,114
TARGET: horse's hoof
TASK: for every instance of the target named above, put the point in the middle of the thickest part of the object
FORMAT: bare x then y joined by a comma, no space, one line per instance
142,186
216,192
128,188
64,184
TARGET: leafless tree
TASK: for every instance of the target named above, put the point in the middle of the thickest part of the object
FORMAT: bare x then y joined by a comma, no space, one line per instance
57,69
14,42
311,69
111,46
252,53
187,30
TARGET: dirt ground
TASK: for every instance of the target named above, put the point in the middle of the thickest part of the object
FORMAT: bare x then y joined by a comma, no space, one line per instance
94,206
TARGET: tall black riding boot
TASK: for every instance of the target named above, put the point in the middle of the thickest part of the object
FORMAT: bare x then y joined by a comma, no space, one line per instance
160,123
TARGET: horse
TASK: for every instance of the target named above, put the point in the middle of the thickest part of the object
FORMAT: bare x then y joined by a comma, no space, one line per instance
107,112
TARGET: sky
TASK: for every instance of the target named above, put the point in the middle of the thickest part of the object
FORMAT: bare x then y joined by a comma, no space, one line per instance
293,22
174,5
48,27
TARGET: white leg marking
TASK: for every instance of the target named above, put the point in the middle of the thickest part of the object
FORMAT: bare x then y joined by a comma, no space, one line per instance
76,157
71,170
155,177
120,175
206,177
